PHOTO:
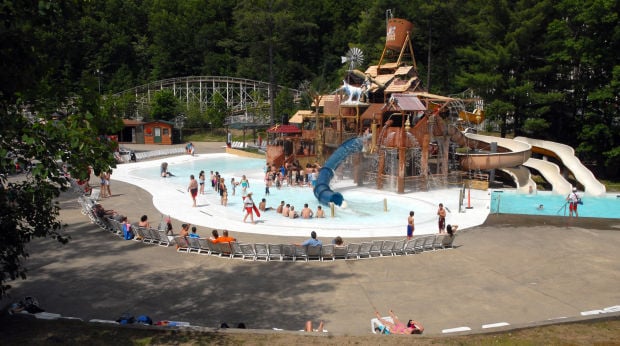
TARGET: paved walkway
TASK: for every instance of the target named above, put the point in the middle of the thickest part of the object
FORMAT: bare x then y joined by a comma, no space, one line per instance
513,269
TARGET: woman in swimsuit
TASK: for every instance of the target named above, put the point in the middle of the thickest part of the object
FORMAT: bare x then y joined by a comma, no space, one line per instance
201,178
245,184
193,188
397,327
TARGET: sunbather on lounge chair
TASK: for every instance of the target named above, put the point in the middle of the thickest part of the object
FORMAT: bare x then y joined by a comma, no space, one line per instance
397,327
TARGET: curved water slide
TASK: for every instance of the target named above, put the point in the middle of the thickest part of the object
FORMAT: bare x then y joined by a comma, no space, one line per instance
513,154
522,177
322,191
566,154
551,172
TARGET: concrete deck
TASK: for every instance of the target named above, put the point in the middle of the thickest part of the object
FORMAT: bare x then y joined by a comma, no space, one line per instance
512,269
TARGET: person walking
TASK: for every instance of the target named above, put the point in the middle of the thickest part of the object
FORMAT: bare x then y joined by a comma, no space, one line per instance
193,189
248,205
410,226
441,213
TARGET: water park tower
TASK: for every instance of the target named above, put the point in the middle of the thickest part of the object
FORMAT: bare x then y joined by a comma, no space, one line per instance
380,127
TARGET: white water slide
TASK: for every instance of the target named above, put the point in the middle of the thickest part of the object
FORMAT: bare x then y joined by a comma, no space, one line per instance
522,177
551,172
566,154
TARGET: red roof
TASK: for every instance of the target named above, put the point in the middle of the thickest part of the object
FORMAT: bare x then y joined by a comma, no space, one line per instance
284,129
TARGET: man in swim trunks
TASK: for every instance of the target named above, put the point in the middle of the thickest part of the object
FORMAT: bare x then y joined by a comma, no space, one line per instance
193,188
441,212
410,226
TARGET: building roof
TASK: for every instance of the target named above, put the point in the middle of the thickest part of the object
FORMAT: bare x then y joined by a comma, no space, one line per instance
284,129
298,117
132,122
406,102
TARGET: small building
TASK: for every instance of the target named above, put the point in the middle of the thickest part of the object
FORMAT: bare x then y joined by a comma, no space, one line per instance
158,132
133,132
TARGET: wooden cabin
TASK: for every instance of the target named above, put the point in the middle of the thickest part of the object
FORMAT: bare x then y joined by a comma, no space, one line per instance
158,132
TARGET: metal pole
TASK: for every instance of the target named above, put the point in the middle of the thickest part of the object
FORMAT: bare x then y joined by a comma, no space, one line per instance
99,78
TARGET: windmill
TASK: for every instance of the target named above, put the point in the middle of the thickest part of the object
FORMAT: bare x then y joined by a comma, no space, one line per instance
355,57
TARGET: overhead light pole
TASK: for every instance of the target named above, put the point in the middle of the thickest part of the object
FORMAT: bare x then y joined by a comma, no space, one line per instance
99,79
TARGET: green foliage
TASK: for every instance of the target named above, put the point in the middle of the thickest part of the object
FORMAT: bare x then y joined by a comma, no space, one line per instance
536,127
196,118
42,71
164,106
217,111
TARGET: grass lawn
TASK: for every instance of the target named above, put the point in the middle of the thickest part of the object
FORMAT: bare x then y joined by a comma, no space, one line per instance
23,330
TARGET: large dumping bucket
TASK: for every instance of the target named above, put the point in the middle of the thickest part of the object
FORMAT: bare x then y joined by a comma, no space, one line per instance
397,30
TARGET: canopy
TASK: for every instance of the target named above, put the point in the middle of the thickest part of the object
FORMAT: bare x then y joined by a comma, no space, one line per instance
284,129
407,102
298,117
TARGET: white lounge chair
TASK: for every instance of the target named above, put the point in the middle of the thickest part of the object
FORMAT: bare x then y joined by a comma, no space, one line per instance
275,251
288,252
262,251
327,252
248,251
399,246
375,248
312,252
364,250
387,248
353,251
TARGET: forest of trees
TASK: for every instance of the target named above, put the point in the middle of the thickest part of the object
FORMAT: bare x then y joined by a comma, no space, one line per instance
546,68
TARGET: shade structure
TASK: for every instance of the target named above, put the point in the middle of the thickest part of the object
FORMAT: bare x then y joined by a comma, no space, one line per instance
284,129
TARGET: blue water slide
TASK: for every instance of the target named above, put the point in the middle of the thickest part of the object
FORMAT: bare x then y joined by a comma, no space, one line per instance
322,191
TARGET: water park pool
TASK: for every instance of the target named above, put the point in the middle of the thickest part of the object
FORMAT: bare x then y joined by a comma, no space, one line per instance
359,205
509,202
362,215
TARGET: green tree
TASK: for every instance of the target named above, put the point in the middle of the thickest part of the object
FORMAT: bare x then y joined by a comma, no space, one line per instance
42,71
582,42
217,111
278,37
164,106
196,117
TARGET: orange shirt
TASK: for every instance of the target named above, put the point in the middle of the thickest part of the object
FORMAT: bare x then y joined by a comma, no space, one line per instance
223,239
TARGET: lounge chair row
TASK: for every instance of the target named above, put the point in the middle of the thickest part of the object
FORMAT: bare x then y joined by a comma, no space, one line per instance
146,235
237,145
290,252
163,152
274,252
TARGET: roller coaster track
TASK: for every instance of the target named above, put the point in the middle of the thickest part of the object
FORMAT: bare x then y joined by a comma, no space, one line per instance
242,96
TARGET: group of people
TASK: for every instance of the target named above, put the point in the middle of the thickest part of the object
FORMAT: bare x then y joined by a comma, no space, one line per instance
214,237
288,210
218,184
314,241
104,178
291,174
128,228
441,222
